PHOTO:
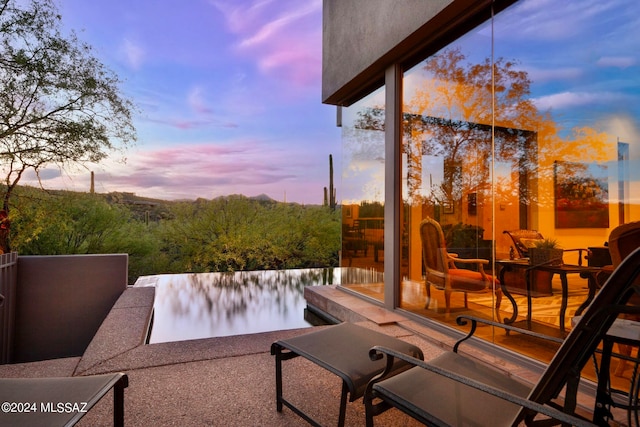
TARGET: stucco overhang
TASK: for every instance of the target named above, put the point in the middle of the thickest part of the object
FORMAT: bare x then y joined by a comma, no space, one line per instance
362,38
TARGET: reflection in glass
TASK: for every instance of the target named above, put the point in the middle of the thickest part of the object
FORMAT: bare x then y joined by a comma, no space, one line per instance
363,189
528,122
447,163
531,130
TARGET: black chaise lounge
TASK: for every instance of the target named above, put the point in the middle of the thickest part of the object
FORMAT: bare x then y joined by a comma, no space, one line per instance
454,389
342,350
62,401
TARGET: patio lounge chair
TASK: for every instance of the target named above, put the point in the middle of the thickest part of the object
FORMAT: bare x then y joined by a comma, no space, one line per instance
58,401
454,389
342,350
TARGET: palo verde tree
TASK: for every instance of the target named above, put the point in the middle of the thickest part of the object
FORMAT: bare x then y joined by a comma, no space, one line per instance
59,105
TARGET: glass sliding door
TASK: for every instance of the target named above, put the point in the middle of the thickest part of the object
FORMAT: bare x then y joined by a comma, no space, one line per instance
526,126
525,131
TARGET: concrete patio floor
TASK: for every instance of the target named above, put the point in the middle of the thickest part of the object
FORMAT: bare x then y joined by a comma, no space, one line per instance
231,380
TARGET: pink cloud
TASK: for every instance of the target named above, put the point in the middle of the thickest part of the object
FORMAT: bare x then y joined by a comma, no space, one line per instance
284,37
250,167
134,54
247,167
196,100
186,124
195,110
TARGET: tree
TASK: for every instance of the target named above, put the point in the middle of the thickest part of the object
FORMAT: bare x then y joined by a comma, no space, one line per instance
59,105
61,222
450,116
236,233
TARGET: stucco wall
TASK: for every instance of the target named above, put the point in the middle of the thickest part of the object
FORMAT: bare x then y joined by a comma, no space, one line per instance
358,33
61,302
361,38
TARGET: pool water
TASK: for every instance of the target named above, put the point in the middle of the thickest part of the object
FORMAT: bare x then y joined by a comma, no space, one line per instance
204,305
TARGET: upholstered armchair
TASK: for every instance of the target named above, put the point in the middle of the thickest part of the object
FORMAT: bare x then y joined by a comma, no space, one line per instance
442,273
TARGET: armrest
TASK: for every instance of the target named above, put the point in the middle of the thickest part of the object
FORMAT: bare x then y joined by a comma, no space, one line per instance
463,319
378,352
478,262
471,261
578,249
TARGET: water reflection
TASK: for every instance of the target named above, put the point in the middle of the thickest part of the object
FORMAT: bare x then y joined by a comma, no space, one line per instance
202,305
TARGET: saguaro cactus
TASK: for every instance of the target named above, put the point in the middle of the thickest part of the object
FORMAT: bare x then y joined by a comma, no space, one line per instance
330,195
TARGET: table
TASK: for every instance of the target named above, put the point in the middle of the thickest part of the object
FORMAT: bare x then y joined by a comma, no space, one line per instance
562,270
344,351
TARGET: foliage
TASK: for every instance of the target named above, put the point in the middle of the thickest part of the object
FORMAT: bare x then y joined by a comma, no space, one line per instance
75,223
236,233
462,235
226,234
371,210
547,243
59,105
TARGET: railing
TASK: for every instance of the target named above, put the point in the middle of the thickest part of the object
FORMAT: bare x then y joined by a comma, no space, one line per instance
8,279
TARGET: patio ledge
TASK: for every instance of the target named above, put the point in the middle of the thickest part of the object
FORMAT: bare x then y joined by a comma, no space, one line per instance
124,329
119,344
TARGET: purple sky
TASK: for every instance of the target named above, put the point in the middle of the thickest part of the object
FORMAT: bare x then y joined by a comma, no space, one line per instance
229,94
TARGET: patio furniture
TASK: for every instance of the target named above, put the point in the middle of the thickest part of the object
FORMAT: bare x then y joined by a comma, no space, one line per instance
58,401
528,271
523,240
623,240
353,241
442,273
344,351
624,333
455,389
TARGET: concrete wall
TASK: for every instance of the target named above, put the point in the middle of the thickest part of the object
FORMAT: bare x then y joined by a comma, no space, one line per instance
361,38
61,302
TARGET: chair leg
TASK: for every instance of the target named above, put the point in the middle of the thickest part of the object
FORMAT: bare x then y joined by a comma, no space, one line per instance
343,405
118,401
447,302
428,286
278,354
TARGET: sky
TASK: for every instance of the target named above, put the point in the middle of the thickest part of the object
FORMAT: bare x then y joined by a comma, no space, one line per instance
228,94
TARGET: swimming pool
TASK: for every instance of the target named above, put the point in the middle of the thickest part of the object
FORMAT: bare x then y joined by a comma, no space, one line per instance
204,305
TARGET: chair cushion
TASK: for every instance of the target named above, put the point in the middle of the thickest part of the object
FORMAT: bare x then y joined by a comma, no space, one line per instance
530,243
468,280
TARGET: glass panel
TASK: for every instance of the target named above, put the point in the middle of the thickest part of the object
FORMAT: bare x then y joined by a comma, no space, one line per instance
558,160
446,188
363,195
568,178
